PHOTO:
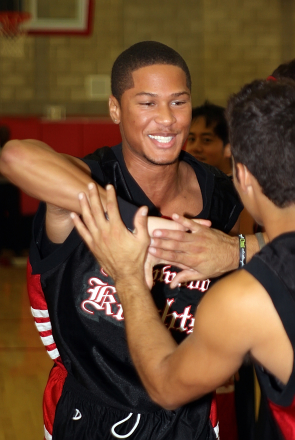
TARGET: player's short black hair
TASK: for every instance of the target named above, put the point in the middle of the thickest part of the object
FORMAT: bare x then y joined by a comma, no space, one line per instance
143,54
285,70
261,119
214,116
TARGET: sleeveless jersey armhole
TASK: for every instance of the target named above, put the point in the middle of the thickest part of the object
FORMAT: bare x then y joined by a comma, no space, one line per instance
285,307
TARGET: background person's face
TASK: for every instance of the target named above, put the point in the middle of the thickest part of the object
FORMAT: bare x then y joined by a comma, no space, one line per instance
204,144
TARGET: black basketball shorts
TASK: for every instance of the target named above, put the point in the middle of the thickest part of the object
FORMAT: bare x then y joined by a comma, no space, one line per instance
79,417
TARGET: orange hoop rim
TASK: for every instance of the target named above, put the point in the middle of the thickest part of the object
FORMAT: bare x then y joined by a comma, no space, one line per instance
14,17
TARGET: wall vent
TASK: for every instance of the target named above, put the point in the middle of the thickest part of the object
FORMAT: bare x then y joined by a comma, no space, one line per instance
98,87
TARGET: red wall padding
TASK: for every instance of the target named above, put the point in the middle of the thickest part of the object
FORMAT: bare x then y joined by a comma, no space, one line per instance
75,136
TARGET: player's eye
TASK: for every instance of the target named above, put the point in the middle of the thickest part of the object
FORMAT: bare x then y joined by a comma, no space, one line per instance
178,103
147,103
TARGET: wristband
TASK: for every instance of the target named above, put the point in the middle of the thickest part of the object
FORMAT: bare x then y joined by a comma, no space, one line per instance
260,239
242,246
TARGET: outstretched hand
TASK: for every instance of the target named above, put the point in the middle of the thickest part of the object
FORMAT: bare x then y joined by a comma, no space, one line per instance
202,253
121,253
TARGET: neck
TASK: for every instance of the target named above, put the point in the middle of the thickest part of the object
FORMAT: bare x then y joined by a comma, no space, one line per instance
159,182
278,221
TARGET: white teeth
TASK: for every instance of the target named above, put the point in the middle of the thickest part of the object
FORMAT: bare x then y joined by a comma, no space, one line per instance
164,139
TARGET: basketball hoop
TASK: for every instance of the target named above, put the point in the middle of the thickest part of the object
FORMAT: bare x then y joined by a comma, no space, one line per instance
12,32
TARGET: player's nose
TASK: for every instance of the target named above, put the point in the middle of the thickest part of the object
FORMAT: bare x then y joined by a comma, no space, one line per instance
165,115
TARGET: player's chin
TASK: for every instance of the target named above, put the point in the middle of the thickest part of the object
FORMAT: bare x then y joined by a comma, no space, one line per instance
165,158
162,162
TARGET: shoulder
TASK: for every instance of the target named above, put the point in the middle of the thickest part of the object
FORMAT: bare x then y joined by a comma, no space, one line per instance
232,310
235,292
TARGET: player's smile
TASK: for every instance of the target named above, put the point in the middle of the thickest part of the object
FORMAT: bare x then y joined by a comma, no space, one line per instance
162,140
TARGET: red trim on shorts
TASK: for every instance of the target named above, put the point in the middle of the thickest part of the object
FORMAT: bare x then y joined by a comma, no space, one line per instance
52,393
285,418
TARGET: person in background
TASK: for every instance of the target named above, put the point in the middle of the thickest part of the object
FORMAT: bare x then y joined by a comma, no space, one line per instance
208,137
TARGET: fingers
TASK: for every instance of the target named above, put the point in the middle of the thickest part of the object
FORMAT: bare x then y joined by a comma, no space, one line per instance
93,216
88,218
112,206
195,226
202,222
140,222
82,230
185,276
191,224
162,223
148,271
171,235
97,209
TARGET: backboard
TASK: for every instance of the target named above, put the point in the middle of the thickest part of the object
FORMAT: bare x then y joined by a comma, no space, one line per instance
59,17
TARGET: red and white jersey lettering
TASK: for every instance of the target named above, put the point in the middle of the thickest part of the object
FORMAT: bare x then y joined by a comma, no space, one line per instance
103,298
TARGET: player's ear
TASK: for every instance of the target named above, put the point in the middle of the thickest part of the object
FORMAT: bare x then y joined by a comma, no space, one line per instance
243,177
227,151
240,175
115,110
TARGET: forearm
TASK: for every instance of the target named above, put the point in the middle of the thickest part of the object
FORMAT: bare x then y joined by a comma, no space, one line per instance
44,174
231,251
252,247
149,341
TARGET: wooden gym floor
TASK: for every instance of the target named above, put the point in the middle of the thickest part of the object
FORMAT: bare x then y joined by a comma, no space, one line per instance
24,363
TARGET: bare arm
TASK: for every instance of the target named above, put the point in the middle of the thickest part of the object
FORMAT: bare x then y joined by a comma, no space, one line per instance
56,179
229,322
45,174
228,325
49,176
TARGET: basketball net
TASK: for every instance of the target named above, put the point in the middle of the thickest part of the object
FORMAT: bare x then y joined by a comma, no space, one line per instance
12,33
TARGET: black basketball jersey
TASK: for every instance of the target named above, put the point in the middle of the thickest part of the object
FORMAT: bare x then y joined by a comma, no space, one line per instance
86,316
274,267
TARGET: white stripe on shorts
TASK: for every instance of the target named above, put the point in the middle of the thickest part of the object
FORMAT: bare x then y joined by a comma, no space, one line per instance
47,435
216,430
43,326
47,340
54,354
39,313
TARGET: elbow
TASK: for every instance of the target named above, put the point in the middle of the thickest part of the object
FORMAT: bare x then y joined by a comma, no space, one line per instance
166,399
10,155
168,405
171,394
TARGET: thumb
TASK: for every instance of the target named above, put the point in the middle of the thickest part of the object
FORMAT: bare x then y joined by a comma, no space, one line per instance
148,271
